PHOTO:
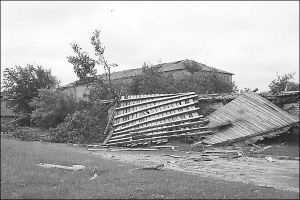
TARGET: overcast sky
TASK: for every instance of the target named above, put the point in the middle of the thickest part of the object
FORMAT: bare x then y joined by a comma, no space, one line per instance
253,40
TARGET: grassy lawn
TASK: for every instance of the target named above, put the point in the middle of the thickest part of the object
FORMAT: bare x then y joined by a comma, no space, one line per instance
22,178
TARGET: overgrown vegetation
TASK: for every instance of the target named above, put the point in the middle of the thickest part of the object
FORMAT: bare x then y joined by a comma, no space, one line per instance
51,107
195,79
83,126
9,130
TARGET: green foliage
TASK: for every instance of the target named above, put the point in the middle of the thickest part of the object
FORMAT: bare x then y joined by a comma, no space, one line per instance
192,67
83,126
283,82
83,64
10,130
154,81
150,82
86,122
51,107
21,84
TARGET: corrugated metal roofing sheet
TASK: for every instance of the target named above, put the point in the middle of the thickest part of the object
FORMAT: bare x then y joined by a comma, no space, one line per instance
252,116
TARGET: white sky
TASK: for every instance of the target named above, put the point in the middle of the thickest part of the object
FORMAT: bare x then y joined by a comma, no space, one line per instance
253,40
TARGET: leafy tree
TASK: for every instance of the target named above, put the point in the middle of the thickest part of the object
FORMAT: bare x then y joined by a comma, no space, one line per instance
21,84
51,107
84,64
284,82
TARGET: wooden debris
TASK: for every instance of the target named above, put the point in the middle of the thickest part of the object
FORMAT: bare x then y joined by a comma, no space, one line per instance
259,150
174,156
269,158
202,159
146,119
93,145
97,149
158,167
230,156
221,151
94,177
133,149
166,146
74,168
173,148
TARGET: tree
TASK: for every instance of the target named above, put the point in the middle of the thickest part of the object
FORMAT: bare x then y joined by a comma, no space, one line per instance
284,82
21,84
84,65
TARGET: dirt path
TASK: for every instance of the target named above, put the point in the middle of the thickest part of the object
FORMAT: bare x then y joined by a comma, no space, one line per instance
280,174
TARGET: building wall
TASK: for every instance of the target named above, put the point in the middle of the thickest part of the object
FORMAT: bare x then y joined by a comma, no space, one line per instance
78,90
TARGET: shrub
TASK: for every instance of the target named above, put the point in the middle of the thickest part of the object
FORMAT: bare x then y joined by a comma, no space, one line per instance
83,126
15,131
51,107
7,128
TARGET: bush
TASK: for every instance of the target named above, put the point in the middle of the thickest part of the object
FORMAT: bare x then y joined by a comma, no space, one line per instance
15,131
7,128
51,107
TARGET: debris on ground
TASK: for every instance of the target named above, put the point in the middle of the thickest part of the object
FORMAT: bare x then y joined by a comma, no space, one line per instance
269,158
94,177
158,167
133,149
201,159
174,156
260,150
93,145
253,118
97,149
73,168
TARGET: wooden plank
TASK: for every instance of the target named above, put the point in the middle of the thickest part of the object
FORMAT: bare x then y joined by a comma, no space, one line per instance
144,100
164,124
149,139
151,114
160,95
162,133
109,122
161,128
151,120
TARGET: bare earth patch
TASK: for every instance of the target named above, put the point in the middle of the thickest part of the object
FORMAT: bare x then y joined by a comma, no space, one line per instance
280,174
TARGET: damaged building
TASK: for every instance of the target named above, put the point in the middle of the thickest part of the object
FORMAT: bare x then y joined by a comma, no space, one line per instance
146,119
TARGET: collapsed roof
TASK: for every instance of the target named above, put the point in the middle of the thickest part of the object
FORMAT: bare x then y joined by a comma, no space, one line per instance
252,116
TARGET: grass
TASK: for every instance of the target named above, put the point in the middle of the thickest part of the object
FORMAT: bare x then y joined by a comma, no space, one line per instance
21,178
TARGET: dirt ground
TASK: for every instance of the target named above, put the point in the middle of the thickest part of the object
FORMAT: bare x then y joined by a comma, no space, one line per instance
279,174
